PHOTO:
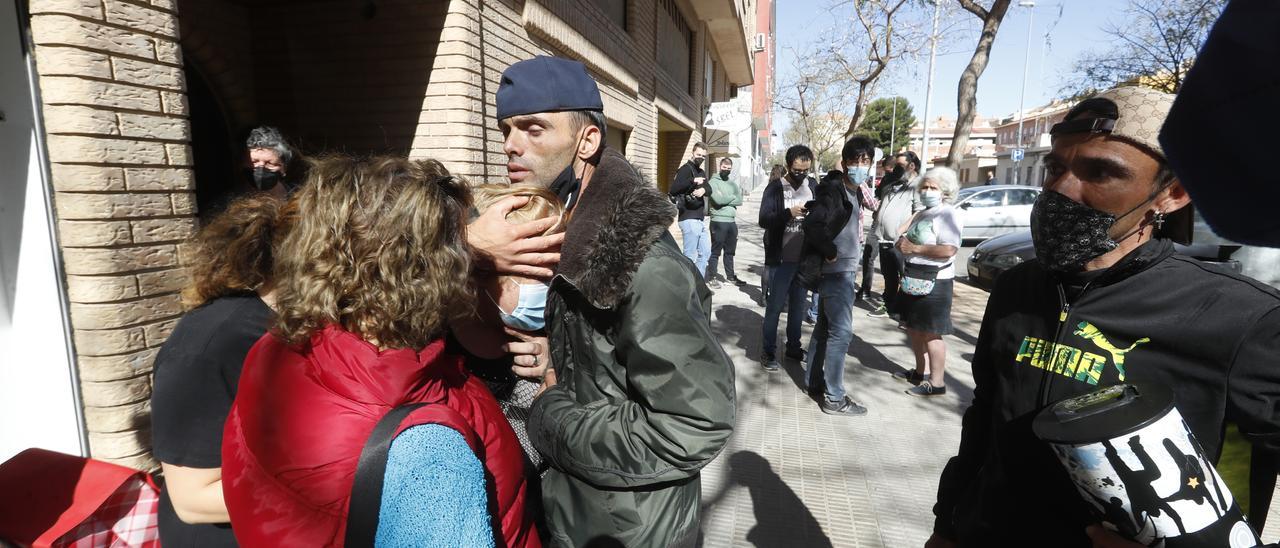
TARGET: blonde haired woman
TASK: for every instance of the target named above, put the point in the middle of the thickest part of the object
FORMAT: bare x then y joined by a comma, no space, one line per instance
370,276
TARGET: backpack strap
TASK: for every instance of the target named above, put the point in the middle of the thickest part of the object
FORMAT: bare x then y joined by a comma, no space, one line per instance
366,490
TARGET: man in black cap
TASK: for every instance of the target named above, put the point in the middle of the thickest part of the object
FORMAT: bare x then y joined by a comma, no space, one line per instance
640,395
1106,301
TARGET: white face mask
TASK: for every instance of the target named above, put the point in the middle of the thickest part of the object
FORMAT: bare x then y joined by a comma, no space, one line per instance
530,308
931,198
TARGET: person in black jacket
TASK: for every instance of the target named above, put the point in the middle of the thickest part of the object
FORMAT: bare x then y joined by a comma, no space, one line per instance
829,266
782,208
1106,300
689,191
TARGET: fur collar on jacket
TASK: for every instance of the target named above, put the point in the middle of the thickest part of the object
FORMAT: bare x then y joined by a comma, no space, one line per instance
611,229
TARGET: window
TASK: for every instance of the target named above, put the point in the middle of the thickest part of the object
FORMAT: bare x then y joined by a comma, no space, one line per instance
675,49
1027,181
615,9
1022,196
1008,175
992,198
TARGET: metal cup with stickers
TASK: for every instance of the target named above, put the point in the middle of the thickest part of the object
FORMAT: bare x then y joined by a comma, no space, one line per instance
1135,461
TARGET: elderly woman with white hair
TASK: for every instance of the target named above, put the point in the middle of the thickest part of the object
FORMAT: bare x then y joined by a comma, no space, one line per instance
929,242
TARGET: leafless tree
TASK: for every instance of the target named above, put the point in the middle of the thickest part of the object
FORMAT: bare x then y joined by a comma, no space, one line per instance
813,100
1153,45
967,92
867,37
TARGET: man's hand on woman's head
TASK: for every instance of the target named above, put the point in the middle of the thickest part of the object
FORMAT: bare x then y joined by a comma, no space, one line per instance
508,248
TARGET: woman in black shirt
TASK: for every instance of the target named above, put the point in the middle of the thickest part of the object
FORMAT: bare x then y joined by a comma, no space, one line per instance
198,367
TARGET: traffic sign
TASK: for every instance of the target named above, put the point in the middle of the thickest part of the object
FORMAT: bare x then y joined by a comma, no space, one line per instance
1017,155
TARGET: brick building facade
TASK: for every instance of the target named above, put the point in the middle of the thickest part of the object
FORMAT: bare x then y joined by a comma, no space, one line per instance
144,103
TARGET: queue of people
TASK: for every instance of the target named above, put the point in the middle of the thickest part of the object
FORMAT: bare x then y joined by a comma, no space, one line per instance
381,353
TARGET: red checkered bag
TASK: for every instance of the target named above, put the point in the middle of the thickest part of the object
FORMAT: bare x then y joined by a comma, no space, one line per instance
50,499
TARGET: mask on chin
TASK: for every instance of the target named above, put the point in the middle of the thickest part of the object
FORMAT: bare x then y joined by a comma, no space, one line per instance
566,186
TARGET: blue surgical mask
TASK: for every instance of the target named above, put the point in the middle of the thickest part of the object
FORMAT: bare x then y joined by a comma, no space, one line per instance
931,198
529,312
859,174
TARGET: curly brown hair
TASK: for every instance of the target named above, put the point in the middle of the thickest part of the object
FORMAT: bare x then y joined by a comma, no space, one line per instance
379,249
233,253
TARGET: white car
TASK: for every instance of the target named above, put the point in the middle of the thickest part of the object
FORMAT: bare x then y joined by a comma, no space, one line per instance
990,211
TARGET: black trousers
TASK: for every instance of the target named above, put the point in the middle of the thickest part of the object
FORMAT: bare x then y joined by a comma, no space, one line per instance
724,238
868,264
891,269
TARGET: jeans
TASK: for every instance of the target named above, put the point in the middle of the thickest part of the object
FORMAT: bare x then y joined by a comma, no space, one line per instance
812,312
724,237
868,264
783,285
831,335
697,247
891,269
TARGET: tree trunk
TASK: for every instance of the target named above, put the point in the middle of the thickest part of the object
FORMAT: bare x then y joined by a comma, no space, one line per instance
967,94
859,108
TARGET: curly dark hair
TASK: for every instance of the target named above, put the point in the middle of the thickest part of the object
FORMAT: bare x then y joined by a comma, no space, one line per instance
234,253
379,249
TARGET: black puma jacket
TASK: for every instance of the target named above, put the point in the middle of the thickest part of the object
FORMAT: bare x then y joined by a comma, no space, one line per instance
1212,336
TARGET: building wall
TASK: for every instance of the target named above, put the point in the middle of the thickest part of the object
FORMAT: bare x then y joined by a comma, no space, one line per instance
481,39
110,77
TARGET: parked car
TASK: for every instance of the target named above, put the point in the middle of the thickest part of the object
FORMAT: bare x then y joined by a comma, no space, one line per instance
993,210
996,255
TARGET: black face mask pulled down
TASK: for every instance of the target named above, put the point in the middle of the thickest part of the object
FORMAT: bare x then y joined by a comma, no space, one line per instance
262,178
566,186
1067,234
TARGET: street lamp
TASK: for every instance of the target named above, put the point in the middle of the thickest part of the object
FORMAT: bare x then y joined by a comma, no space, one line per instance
928,92
1026,64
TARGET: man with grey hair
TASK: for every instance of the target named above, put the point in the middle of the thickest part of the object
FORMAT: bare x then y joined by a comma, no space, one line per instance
1106,301
269,156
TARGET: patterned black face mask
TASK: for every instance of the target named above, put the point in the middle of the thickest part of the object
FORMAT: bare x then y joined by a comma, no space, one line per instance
1067,234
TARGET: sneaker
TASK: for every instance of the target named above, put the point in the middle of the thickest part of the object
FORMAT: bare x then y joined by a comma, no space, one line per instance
770,363
843,407
880,312
714,284
909,376
925,388
797,355
737,281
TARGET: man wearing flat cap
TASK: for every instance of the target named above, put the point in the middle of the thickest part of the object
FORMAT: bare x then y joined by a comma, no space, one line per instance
1106,301
640,395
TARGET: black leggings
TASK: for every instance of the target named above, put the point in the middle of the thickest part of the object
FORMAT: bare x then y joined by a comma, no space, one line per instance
891,269
868,264
724,237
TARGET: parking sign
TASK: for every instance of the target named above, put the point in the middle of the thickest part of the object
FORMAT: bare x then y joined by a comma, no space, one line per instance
1017,154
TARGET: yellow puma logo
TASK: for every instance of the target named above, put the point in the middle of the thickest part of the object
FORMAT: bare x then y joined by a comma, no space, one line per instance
1087,331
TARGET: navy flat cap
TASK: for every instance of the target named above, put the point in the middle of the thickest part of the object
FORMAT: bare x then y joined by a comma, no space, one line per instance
546,84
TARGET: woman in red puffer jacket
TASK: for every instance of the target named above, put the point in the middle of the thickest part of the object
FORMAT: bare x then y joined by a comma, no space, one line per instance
372,273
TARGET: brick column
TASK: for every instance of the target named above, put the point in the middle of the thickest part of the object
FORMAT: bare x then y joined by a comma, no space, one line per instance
112,91
451,127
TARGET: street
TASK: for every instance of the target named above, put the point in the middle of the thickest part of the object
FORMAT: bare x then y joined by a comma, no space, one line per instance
794,477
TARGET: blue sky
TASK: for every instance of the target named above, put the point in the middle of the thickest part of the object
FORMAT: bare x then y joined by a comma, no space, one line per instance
1077,30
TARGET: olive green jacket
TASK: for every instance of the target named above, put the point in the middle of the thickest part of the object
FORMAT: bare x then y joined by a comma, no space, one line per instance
646,395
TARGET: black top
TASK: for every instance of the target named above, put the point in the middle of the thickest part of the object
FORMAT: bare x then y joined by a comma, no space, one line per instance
1208,335
683,184
196,375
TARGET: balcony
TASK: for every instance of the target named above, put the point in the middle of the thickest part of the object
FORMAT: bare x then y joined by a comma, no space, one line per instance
724,21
